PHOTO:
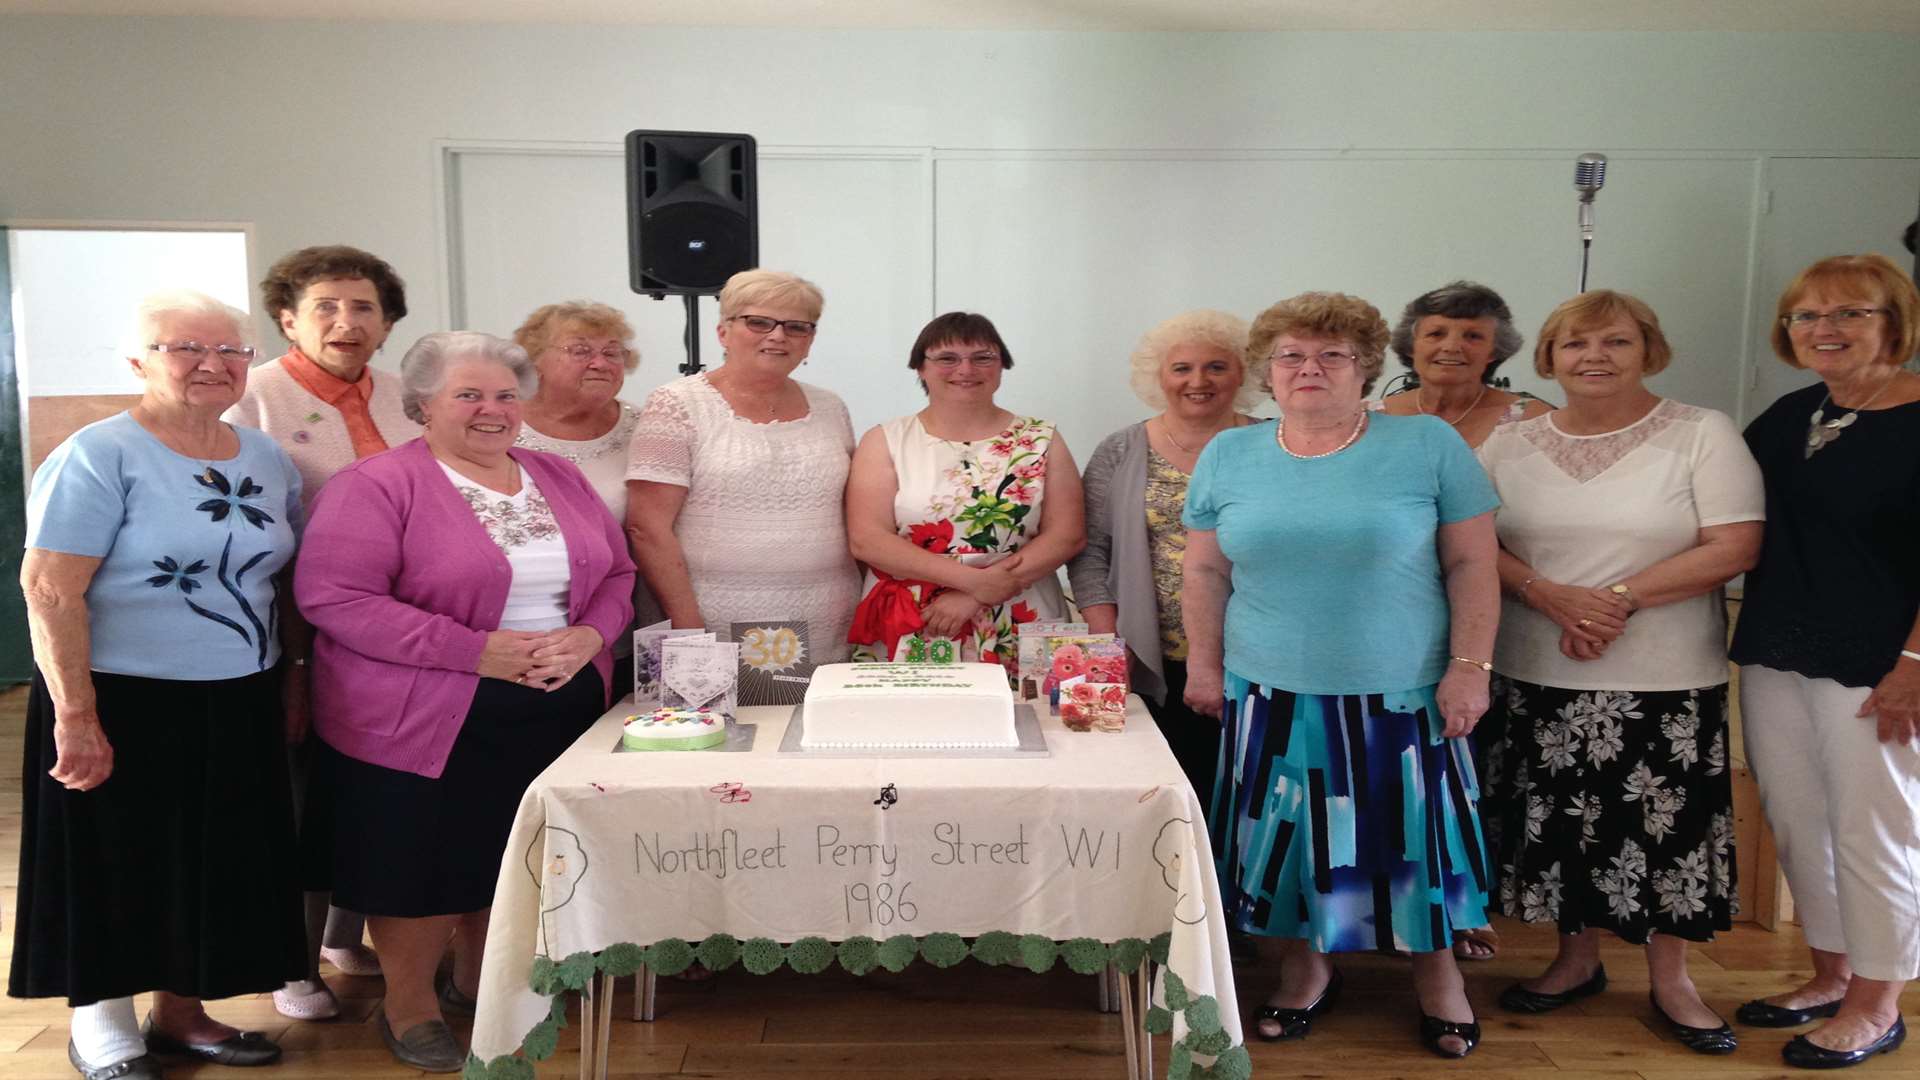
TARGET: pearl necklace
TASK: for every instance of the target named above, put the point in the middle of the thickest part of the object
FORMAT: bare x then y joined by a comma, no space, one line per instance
1280,436
1420,402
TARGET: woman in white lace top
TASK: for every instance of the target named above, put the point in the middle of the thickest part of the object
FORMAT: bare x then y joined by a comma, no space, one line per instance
735,477
1621,516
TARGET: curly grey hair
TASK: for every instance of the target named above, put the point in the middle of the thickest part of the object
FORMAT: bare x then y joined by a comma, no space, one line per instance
423,371
1459,300
157,306
1201,327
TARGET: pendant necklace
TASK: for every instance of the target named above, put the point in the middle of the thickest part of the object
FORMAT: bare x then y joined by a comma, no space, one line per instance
1178,445
1280,436
1821,431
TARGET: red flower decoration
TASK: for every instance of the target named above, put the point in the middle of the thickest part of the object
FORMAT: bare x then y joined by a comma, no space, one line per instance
936,536
1022,612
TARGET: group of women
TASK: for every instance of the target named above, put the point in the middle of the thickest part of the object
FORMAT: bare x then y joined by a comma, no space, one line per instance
1321,608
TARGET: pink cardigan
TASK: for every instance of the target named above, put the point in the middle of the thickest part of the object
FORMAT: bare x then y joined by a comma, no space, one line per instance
402,584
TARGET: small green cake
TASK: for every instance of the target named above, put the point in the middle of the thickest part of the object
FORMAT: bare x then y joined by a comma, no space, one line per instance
674,729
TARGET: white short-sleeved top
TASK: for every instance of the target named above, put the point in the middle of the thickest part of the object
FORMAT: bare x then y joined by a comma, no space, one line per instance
1594,509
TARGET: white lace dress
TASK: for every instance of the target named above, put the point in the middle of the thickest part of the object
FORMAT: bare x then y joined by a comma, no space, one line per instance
763,527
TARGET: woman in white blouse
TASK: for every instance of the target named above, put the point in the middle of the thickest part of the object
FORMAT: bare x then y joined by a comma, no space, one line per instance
1621,517
584,353
735,478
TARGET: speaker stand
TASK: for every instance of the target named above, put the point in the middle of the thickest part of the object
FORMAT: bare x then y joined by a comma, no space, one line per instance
693,334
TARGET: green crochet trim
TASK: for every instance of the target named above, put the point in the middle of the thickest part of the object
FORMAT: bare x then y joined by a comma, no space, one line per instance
861,955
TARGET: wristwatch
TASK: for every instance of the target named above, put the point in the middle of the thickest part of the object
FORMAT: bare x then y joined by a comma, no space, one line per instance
1619,589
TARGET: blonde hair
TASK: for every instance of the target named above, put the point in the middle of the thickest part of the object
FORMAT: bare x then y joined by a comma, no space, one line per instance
1202,327
1856,273
1325,315
771,288
1593,309
580,316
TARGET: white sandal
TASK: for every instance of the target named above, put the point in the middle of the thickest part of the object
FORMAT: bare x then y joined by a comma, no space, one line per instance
316,1005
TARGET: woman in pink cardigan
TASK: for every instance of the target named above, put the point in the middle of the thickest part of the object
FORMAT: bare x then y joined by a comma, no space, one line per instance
463,595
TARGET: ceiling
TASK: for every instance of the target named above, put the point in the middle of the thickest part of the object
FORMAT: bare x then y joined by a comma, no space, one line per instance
1893,16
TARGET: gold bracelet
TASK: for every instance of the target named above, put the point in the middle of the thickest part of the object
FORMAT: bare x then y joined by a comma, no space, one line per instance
1483,665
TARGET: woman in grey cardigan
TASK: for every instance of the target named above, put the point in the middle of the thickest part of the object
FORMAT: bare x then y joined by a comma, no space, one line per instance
1127,580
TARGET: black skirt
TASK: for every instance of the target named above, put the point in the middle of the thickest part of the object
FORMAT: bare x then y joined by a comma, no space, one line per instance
410,846
178,872
1193,738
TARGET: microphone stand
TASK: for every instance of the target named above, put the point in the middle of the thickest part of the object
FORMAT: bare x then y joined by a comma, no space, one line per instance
1586,235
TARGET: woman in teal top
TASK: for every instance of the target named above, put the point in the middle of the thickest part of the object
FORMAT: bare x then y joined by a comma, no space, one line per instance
1341,598
156,830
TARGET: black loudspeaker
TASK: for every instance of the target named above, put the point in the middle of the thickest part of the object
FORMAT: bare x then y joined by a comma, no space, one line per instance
692,211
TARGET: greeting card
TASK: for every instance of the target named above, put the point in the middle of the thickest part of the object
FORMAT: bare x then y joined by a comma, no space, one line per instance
646,657
776,661
1032,655
1092,706
699,674
1090,658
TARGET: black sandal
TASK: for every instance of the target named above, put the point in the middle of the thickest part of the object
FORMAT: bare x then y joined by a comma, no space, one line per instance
1433,1029
1295,1023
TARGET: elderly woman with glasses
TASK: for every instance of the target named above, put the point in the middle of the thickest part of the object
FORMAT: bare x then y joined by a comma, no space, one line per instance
584,353
1341,599
1829,649
736,477
964,511
156,829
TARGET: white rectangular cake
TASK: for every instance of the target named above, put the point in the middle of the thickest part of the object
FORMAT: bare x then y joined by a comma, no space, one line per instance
908,707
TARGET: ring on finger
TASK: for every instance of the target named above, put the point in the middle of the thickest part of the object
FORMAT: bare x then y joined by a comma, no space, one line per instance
1584,623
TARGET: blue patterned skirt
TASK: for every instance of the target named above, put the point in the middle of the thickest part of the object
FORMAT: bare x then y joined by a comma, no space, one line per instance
1347,820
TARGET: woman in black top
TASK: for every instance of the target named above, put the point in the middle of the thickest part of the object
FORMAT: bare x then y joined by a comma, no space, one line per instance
1830,653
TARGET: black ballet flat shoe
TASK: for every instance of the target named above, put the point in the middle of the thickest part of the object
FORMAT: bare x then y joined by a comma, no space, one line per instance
1802,1053
1295,1023
1433,1029
144,1067
1517,998
1713,1040
1763,1014
244,1050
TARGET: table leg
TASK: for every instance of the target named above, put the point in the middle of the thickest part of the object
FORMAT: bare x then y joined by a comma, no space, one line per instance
605,1021
1103,990
1127,1025
587,1042
1140,1031
645,983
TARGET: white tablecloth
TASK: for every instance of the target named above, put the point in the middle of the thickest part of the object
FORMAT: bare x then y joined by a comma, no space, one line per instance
1103,839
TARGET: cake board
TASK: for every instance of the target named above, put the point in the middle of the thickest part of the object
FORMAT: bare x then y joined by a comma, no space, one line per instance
739,741
1026,725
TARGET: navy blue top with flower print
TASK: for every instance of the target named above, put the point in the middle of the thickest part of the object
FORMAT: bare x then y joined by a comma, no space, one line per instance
190,548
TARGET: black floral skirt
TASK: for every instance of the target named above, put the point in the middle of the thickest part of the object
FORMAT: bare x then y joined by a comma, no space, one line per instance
1617,809
178,873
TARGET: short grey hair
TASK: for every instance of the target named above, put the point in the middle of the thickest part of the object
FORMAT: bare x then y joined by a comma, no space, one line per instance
423,371
1460,300
157,306
1202,327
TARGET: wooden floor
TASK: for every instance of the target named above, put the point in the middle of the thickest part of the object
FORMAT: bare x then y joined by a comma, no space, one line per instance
971,1021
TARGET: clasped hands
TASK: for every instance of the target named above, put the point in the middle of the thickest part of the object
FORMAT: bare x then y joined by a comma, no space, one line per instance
544,659
1589,618
951,613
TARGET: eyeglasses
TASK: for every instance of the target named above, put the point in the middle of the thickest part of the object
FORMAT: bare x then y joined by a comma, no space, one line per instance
197,352
760,324
949,360
1330,360
1845,317
612,354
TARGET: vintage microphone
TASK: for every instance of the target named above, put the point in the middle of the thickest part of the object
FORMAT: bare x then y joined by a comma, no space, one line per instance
1589,175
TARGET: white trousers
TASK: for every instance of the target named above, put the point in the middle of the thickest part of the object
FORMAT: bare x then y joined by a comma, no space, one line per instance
1845,812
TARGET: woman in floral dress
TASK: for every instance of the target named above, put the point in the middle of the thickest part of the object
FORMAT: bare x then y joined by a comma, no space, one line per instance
945,507
1621,517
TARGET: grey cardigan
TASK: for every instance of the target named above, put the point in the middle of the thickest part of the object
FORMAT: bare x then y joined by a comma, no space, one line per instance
1116,566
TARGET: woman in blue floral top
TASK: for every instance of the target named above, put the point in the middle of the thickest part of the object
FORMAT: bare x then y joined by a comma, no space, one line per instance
945,507
156,848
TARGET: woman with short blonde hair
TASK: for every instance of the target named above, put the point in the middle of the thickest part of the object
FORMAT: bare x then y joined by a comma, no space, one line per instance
1829,649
